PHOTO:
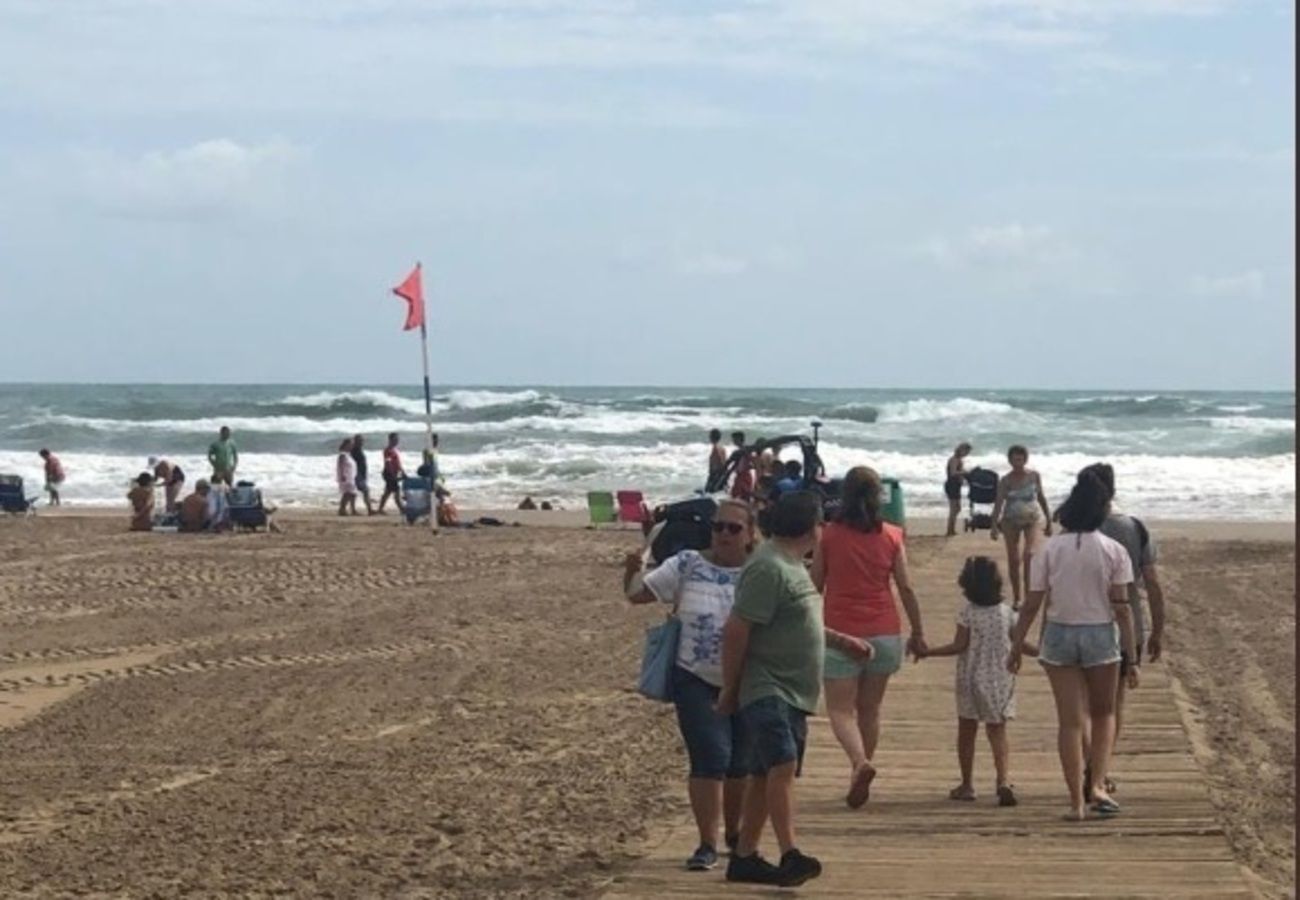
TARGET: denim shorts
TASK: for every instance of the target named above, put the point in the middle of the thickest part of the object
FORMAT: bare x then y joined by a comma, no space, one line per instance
773,733
887,660
711,740
1084,646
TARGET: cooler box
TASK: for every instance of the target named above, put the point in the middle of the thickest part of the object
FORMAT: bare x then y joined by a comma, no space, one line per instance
891,501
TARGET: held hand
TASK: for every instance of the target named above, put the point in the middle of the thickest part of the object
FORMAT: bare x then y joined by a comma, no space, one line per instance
726,703
859,649
917,646
1132,678
1154,645
1013,660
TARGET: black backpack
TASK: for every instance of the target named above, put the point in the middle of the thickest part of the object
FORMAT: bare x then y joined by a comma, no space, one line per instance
687,525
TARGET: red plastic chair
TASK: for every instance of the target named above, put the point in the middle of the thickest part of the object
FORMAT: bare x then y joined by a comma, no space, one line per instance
631,507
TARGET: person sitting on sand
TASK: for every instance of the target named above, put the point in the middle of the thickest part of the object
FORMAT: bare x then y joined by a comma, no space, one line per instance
773,644
1088,575
1015,516
986,691
527,504
54,476
791,478
700,586
857,558
194,508
142,503
345,474
955,474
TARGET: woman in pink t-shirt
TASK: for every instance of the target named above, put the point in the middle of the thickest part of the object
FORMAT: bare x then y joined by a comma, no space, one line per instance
858,556
1087,622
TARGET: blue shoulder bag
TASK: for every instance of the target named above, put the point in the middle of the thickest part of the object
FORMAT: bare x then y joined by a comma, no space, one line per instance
658,659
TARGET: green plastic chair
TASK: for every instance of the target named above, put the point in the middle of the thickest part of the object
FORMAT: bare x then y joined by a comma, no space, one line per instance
600,505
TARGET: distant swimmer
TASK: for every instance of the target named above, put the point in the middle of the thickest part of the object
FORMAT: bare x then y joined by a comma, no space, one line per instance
54,476
224,457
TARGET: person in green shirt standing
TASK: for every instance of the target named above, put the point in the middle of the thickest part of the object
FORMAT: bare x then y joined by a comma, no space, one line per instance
773,645
224,457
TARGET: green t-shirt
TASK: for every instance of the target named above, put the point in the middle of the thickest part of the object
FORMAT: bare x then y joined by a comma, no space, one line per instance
223,455
786,639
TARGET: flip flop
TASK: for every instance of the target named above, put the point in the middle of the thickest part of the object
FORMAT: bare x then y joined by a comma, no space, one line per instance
1006,796
962,792
860,787
1106,807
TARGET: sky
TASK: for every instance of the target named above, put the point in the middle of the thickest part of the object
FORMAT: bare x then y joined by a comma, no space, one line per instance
901,193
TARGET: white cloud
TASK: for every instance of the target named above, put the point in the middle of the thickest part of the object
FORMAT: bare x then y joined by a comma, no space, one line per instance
208,178
1012,244
1245,284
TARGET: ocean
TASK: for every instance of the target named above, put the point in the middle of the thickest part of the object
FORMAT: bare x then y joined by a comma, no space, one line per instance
1177,455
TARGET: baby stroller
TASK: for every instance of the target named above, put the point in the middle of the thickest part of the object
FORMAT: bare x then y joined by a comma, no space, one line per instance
417,499
983,490
13,499
245,507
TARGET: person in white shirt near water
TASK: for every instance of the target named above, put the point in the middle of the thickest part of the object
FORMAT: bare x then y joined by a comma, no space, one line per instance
1015,517
1089,626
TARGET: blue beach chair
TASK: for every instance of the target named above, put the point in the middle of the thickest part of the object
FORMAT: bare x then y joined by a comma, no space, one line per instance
13,499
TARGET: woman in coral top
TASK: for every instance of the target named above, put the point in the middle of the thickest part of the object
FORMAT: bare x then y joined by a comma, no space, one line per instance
858,555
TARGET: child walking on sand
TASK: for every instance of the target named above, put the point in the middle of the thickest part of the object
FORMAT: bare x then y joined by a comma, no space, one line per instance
985,689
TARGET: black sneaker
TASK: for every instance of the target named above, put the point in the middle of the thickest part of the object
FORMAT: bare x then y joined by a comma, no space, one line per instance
752,869
703,859
796,868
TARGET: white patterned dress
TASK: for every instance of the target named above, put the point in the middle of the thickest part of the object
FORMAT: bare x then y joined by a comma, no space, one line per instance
985,689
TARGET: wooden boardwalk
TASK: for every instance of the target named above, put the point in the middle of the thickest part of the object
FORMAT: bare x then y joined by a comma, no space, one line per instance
911,841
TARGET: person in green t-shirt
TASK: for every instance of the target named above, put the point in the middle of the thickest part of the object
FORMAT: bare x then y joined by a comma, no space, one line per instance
224,457
772,651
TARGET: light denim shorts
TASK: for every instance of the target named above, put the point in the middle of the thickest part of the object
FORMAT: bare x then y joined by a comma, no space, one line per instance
1084,646
887,660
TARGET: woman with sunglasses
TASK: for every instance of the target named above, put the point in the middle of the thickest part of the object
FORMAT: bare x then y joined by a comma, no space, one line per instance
858,556
700,586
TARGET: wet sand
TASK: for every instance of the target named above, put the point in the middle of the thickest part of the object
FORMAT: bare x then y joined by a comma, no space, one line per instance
355,708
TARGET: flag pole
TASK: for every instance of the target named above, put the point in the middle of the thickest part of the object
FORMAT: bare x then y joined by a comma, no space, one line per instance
428,430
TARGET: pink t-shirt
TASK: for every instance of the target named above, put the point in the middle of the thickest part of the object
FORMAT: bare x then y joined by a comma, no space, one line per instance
1079,569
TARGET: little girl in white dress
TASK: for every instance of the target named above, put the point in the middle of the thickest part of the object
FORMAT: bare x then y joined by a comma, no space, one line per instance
985,689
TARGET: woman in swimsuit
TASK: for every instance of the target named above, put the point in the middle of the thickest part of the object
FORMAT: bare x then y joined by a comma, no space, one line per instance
1015,515
956,474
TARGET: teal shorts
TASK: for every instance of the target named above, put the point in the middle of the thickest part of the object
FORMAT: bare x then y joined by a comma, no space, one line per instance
887,661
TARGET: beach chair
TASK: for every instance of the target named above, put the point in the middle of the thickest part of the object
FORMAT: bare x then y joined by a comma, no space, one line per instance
600,506
245,504
13,499
631,507
417,499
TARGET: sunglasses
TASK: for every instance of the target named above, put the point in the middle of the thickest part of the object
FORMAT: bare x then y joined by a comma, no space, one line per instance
728,527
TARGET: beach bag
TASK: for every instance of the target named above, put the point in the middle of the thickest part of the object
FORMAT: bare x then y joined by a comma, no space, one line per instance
658,659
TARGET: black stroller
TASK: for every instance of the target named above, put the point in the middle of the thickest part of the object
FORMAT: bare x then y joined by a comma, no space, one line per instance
982,489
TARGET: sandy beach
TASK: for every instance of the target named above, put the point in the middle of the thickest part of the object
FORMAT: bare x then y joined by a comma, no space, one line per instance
355,708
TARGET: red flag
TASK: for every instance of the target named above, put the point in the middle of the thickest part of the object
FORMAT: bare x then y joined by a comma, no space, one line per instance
412,291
